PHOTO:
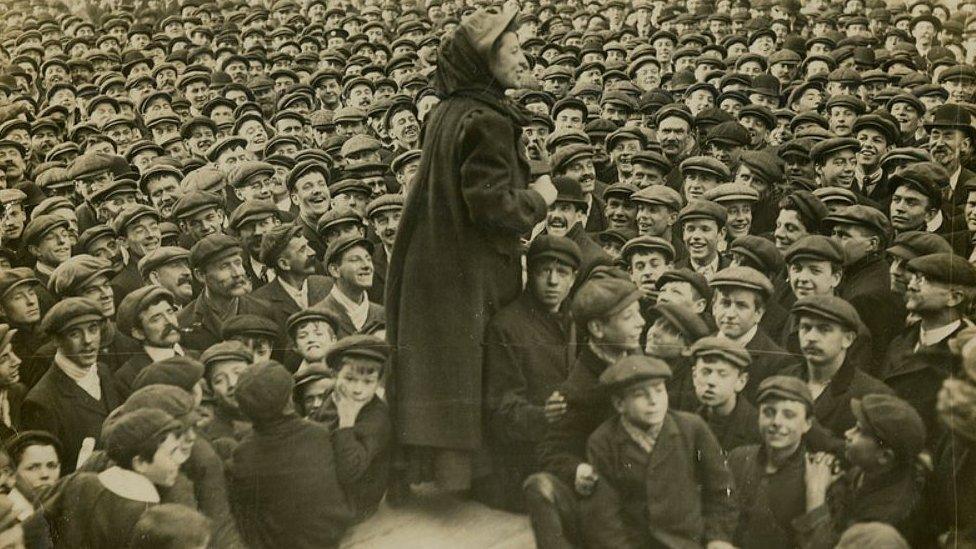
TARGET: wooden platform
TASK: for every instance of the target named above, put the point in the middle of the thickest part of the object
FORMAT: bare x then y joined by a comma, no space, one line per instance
431,520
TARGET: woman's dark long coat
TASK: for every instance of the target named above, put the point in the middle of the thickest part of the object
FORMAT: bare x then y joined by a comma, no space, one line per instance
456,260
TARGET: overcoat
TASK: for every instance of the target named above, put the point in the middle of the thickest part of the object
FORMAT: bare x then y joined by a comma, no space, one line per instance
456,260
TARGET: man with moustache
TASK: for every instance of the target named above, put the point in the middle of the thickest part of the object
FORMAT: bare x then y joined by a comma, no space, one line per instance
576,161
74,397
951,138
296,286
20,309
249,222
160,183
218,265
383,214
876,133
148,315
12,161
567,216
138,230
168,267
674,125
940,289
827,327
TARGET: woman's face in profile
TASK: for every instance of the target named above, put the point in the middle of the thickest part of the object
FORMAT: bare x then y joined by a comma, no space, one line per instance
509,65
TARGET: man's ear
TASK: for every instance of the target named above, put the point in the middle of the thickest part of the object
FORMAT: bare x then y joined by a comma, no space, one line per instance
199,275
333,270
138,334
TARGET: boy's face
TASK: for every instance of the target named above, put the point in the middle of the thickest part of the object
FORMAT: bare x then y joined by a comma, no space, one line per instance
39,466
313,339
736,310
623,329
782,423
716,380
861,448
358,379
315,393
165,465
260,347
664,340
223,381
643,404
9,366
551,281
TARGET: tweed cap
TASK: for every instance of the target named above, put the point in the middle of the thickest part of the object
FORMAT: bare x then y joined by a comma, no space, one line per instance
249,326
362,346
73,275
179,371
729,133
884,125
820,151
250,212
907,155
705,164
222,144
659,195
830,308
333,254
742,277
817,248
784,387
384,203
223,351
125,433
697,281
765,165
195,202
312,314
70,312
242,172
559,248
703,209
927,178
761,252
653,159
132,213
213,247
16,277
648,243
861,216
911,244
39,227
732,192
115,188
263,391
946,268
171,399
570,153
723,348
634,369
892,421
159,257
127,315
836,194
602,297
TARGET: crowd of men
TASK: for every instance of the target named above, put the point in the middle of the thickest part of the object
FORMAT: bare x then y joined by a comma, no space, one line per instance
746,318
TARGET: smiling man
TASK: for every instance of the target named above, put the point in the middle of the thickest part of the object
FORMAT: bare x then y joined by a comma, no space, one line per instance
876,134
567,216
835,162
916,200
702,224
951,138
576,161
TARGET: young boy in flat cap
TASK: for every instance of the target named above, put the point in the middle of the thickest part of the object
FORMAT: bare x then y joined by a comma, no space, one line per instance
674,330
362,434
146,448
224,364
720,373
607,308
662,476
882,482
529,349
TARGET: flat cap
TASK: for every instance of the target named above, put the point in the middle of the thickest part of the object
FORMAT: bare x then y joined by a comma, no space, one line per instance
816,247
404,158
820,151
178,371
633,369
884,125
263,391
742,277
38,227
648,243
127,314
225,350
723,348
559,248
384,203
242,172
703,209
861,216
565,155
159,257
732,192
785,387
222,145
338,246
312,314
602,297
759,251
125,433
654,159
830,308
765,165
659,195
70,312
213,247
362,346
75,273
251,211
946,268
729,133
275,240
169,398
132,213
911,244
892,421
249,325
927,178
706,164
695,279
16,277
683,319
906,155
836,194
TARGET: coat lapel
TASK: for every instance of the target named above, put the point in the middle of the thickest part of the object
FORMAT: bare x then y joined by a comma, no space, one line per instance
666,444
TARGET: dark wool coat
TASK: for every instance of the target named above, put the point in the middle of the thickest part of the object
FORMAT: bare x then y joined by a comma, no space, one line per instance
201,325
59,406
456,260
768,502
679,495
284,489
867,286
768,359
740,428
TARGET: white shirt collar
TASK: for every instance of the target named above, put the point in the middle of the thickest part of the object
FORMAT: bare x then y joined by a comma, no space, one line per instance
357,311
954,178
936,222
927,338
299,295
257,267
86,378
129,485
163,353
708,270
